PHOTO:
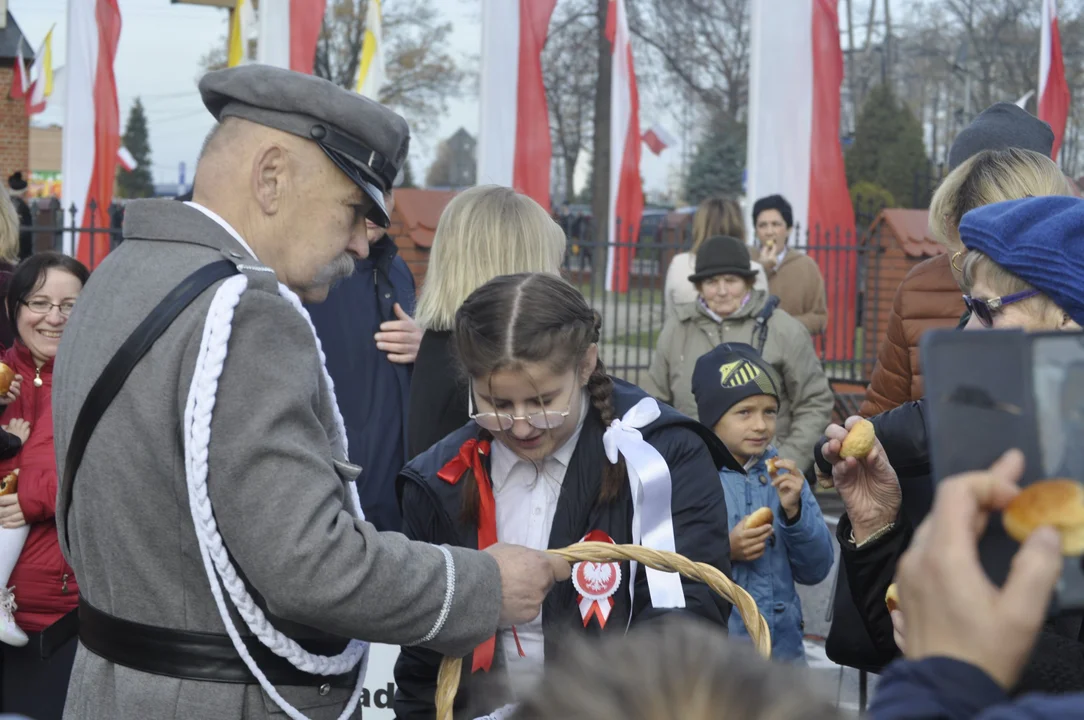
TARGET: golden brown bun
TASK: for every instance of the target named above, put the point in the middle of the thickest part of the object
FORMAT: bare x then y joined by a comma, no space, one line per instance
763,516
773,468
892,598
859,440
7,375
9,483
1058,503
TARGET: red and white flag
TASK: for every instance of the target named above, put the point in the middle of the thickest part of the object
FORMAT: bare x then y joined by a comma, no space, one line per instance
658,139
91,123
514,147
126,159
1053,88
794,148
288,31
19,82
626,192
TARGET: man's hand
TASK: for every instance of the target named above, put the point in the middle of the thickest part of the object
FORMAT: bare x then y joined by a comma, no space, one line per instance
748,545
19,428
952,609
13,391
788,483
526,577
400,338
869,487
768,257
11,513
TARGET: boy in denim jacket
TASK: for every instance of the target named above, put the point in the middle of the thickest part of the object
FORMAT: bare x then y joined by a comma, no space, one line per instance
737,395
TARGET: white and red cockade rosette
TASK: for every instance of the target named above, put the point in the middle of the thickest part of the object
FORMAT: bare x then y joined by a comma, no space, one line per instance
596,583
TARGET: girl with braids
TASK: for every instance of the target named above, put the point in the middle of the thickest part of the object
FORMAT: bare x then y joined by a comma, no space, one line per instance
545,462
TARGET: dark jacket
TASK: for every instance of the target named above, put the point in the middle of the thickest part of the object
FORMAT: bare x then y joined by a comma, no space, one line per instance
944,689
1056,663
372,391
432,513
438,397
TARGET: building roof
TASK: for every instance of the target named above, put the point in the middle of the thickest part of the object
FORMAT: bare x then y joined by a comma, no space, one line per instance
911,228
10,37
419,211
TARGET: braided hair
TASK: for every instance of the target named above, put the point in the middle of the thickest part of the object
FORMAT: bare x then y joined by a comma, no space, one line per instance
533,318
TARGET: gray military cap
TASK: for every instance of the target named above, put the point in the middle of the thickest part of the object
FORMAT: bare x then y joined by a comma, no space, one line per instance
363,138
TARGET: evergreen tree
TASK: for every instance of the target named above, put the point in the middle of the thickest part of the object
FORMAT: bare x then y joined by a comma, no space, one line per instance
408,176
138,183
888,149
717,167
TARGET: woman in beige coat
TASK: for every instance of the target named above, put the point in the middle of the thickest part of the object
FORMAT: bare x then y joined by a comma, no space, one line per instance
729,309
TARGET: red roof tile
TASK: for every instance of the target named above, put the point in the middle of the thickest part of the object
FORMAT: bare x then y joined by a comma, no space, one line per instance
419,211
911,228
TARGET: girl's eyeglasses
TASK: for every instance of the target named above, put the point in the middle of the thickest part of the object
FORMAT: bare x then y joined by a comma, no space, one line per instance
503,422
985,310
42,307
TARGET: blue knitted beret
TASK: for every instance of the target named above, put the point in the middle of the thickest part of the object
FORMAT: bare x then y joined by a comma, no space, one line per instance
1038,239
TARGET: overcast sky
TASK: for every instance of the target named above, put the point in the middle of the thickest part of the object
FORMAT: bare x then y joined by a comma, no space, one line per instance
159,60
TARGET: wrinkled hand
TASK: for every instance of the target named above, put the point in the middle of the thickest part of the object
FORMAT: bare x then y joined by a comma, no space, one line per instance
748,545
13,391
788,483
526,578
19,428
952,609
11,513
869,487
401,338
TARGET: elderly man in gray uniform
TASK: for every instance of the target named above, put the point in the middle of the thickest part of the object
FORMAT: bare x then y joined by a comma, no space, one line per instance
206,504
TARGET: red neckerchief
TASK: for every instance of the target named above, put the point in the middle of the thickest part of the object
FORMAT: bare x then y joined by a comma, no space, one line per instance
470,458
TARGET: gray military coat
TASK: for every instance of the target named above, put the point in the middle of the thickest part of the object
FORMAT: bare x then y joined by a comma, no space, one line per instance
276,481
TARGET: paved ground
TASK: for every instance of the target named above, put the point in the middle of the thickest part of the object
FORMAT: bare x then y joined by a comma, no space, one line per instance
839,684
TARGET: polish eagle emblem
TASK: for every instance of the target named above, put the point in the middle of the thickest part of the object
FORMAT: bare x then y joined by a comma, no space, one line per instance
596,581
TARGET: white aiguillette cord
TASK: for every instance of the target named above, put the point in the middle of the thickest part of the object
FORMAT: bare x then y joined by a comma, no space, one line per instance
216,560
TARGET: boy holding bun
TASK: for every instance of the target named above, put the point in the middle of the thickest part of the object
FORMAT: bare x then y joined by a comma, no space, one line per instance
777,533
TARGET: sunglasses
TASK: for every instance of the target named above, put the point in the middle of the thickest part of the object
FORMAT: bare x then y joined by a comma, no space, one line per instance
503,422
985,310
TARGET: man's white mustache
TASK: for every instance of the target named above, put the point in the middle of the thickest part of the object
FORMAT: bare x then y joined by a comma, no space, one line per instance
339,268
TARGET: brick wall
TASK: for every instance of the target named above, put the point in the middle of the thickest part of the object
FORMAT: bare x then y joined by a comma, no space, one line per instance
417,258
14,131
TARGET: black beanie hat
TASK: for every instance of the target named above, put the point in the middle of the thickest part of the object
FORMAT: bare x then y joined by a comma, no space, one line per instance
722,255
728,374
774,202
1000,127
16,182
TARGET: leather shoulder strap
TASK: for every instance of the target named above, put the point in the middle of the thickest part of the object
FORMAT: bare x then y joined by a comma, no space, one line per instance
118,369
760,330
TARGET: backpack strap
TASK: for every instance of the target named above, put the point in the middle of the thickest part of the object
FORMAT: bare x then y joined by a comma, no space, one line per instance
118,369
760,330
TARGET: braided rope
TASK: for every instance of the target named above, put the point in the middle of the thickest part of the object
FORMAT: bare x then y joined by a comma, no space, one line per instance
216,561
451,668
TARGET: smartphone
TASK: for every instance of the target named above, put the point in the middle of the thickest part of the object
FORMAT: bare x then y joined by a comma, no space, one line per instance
989,391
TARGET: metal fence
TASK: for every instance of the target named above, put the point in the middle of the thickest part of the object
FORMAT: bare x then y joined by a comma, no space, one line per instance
633,319
51,223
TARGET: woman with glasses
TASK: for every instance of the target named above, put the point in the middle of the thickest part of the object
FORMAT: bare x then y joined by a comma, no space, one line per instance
555,453
41,589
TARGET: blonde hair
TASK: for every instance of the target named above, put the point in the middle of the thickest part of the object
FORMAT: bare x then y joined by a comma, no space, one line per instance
672,669
717,216
9,230
990,176
485,232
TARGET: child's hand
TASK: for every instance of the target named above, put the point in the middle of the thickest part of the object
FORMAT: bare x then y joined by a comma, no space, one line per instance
11,513
788,482
13,391
19,428
747,545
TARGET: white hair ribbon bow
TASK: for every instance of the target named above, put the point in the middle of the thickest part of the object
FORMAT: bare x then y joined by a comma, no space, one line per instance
649,481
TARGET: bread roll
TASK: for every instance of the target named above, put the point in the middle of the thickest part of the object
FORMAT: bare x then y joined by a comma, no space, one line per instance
773,466
1058,503
757,518
10,482
892,598
7,375
859,441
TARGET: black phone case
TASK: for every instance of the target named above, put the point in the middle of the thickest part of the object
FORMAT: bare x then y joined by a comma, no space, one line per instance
980,403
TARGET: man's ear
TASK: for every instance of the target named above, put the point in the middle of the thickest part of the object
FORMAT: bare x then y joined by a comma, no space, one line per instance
590,362
269,177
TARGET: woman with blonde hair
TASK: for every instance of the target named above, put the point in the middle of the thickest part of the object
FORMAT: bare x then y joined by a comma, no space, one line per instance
9,256
714,216
484,232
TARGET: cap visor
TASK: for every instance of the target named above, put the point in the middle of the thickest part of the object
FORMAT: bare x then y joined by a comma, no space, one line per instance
379,212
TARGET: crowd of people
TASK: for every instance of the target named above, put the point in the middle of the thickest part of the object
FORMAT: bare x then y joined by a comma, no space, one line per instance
245,447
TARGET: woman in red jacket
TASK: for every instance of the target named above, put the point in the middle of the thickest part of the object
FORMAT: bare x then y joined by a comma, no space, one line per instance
34,678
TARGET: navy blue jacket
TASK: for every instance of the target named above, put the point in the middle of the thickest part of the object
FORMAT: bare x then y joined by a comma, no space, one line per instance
372,391
432,512
943,689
